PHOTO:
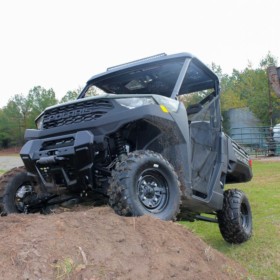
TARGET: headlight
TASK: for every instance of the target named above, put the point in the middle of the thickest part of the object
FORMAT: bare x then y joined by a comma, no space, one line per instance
39,122
135,102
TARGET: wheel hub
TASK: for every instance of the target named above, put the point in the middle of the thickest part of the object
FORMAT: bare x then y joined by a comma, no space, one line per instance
152,191
23,197
148,189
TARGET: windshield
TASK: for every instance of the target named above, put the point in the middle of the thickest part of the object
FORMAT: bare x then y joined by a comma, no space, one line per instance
155,79
160,77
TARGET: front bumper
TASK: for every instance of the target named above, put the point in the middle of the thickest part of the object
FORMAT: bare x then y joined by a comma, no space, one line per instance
62,161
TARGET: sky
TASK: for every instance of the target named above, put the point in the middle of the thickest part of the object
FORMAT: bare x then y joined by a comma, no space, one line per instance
60,44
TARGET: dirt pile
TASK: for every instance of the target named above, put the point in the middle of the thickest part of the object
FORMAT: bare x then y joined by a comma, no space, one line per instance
95,243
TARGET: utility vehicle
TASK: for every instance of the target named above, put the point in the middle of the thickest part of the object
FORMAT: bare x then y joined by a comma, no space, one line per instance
145,135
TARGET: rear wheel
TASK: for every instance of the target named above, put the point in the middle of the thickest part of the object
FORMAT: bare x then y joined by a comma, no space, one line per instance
235,219
145,183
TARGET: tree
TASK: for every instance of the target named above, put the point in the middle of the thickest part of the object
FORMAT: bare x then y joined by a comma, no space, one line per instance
70,95
15,116
20,113
250,88
217,70
268,60
39,99
5,131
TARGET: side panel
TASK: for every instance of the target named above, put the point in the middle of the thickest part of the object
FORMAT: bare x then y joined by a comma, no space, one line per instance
239,169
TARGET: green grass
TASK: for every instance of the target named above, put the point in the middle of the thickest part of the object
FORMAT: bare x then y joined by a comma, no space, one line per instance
261,254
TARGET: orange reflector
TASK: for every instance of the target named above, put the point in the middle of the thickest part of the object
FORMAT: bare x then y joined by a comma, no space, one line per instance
250,163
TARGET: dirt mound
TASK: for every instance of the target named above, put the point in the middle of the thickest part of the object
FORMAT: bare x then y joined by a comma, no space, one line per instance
98,244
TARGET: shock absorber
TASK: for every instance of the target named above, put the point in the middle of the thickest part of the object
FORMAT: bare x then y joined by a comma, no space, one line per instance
120,145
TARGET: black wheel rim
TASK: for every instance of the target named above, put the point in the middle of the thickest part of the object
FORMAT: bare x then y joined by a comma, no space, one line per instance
244,216
24,197
152,190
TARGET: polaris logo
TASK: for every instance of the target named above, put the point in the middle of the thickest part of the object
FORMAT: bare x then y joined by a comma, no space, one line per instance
70,114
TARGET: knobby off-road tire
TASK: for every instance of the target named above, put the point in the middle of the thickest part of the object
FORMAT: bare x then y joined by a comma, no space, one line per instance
18,191
145,184
4,179
235,219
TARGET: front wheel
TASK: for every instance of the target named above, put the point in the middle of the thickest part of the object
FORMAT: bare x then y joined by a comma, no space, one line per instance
145,183
235,219
19,192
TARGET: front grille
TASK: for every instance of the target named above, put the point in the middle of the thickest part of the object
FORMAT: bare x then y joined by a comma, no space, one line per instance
76,113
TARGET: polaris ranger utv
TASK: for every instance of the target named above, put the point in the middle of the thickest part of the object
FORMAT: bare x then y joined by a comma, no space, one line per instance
147,135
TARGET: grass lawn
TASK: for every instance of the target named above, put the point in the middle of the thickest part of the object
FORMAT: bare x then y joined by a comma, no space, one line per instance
261,254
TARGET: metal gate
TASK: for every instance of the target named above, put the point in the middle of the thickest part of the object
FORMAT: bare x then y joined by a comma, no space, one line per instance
258,141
